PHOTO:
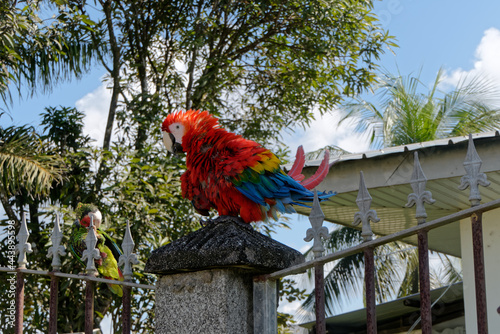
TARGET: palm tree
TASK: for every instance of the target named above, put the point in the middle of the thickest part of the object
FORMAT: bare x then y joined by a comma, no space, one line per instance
40,51
405,114
343,281
24,166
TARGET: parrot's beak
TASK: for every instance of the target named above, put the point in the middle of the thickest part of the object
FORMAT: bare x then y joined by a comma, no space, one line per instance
170,143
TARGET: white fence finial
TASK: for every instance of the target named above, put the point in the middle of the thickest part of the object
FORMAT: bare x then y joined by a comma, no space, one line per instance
317,231
23,246
365,214
419,195
91,252
56,250
128,258
473,178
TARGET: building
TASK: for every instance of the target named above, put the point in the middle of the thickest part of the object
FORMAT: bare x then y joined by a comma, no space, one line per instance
387,175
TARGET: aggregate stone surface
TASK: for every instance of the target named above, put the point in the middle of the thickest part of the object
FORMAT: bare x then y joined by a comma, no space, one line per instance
213,301
226,242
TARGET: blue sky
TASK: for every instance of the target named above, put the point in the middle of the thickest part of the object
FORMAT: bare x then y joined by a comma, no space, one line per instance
463,37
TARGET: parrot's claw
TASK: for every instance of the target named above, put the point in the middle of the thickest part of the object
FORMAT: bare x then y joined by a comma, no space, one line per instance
204,223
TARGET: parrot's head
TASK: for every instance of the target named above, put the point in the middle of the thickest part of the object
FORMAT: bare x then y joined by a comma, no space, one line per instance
96,219
173,129
88,212
177,125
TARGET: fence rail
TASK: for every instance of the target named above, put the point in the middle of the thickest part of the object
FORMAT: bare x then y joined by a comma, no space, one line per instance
80,277
472,179
126,260
265,285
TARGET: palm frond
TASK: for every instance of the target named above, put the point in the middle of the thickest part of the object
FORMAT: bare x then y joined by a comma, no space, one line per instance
409,112
344,281
24,165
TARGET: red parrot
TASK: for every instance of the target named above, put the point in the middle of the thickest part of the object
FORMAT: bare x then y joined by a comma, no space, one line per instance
235,176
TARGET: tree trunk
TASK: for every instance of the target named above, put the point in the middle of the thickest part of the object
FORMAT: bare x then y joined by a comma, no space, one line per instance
4,198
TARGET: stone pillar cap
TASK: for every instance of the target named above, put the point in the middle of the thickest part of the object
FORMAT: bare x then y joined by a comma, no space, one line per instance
224,242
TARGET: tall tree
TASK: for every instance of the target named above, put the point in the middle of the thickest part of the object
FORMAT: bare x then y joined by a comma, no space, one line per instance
260,66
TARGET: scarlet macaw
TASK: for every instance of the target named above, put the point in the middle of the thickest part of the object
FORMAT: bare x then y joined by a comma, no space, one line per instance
236,176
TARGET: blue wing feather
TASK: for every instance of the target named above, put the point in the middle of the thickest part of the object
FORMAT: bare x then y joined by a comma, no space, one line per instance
277,186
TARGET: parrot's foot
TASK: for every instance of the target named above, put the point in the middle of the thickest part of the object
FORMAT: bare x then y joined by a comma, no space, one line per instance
222,219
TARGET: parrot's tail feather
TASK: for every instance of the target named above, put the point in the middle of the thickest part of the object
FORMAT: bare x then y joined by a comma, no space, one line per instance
322,196
120,274
300,159
320,174
115,288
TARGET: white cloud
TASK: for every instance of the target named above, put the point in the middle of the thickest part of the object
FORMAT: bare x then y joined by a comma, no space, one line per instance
95,105
486,61
324,130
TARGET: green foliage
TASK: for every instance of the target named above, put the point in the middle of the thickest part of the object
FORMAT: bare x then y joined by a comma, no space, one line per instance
261,66
40,50
405,114
289,292
24,163
285,321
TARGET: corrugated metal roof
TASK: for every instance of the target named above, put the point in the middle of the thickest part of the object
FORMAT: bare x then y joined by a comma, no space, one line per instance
387,174
404,148
399,314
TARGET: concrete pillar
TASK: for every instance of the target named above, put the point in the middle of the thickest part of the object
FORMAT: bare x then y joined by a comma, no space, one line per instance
205,282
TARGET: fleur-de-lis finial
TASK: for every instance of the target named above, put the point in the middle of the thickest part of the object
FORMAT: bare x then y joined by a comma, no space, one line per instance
473,178
419,195
317,231
127,259
365,214
56,249
23,246
91,252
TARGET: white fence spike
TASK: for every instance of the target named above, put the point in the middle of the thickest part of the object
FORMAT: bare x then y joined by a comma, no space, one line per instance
473,178
318,231
56,250
365,214
23,247
91,253
420,196
128,258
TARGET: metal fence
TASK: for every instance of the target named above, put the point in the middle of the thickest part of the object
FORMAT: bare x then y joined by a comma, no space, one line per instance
126,260
265,286
472,179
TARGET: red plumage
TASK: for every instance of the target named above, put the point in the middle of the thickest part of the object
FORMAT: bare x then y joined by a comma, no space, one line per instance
219,163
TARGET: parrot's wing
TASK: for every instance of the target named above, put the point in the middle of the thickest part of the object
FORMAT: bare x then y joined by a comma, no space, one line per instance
265,182
259,187
111,244
109,267
77,242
